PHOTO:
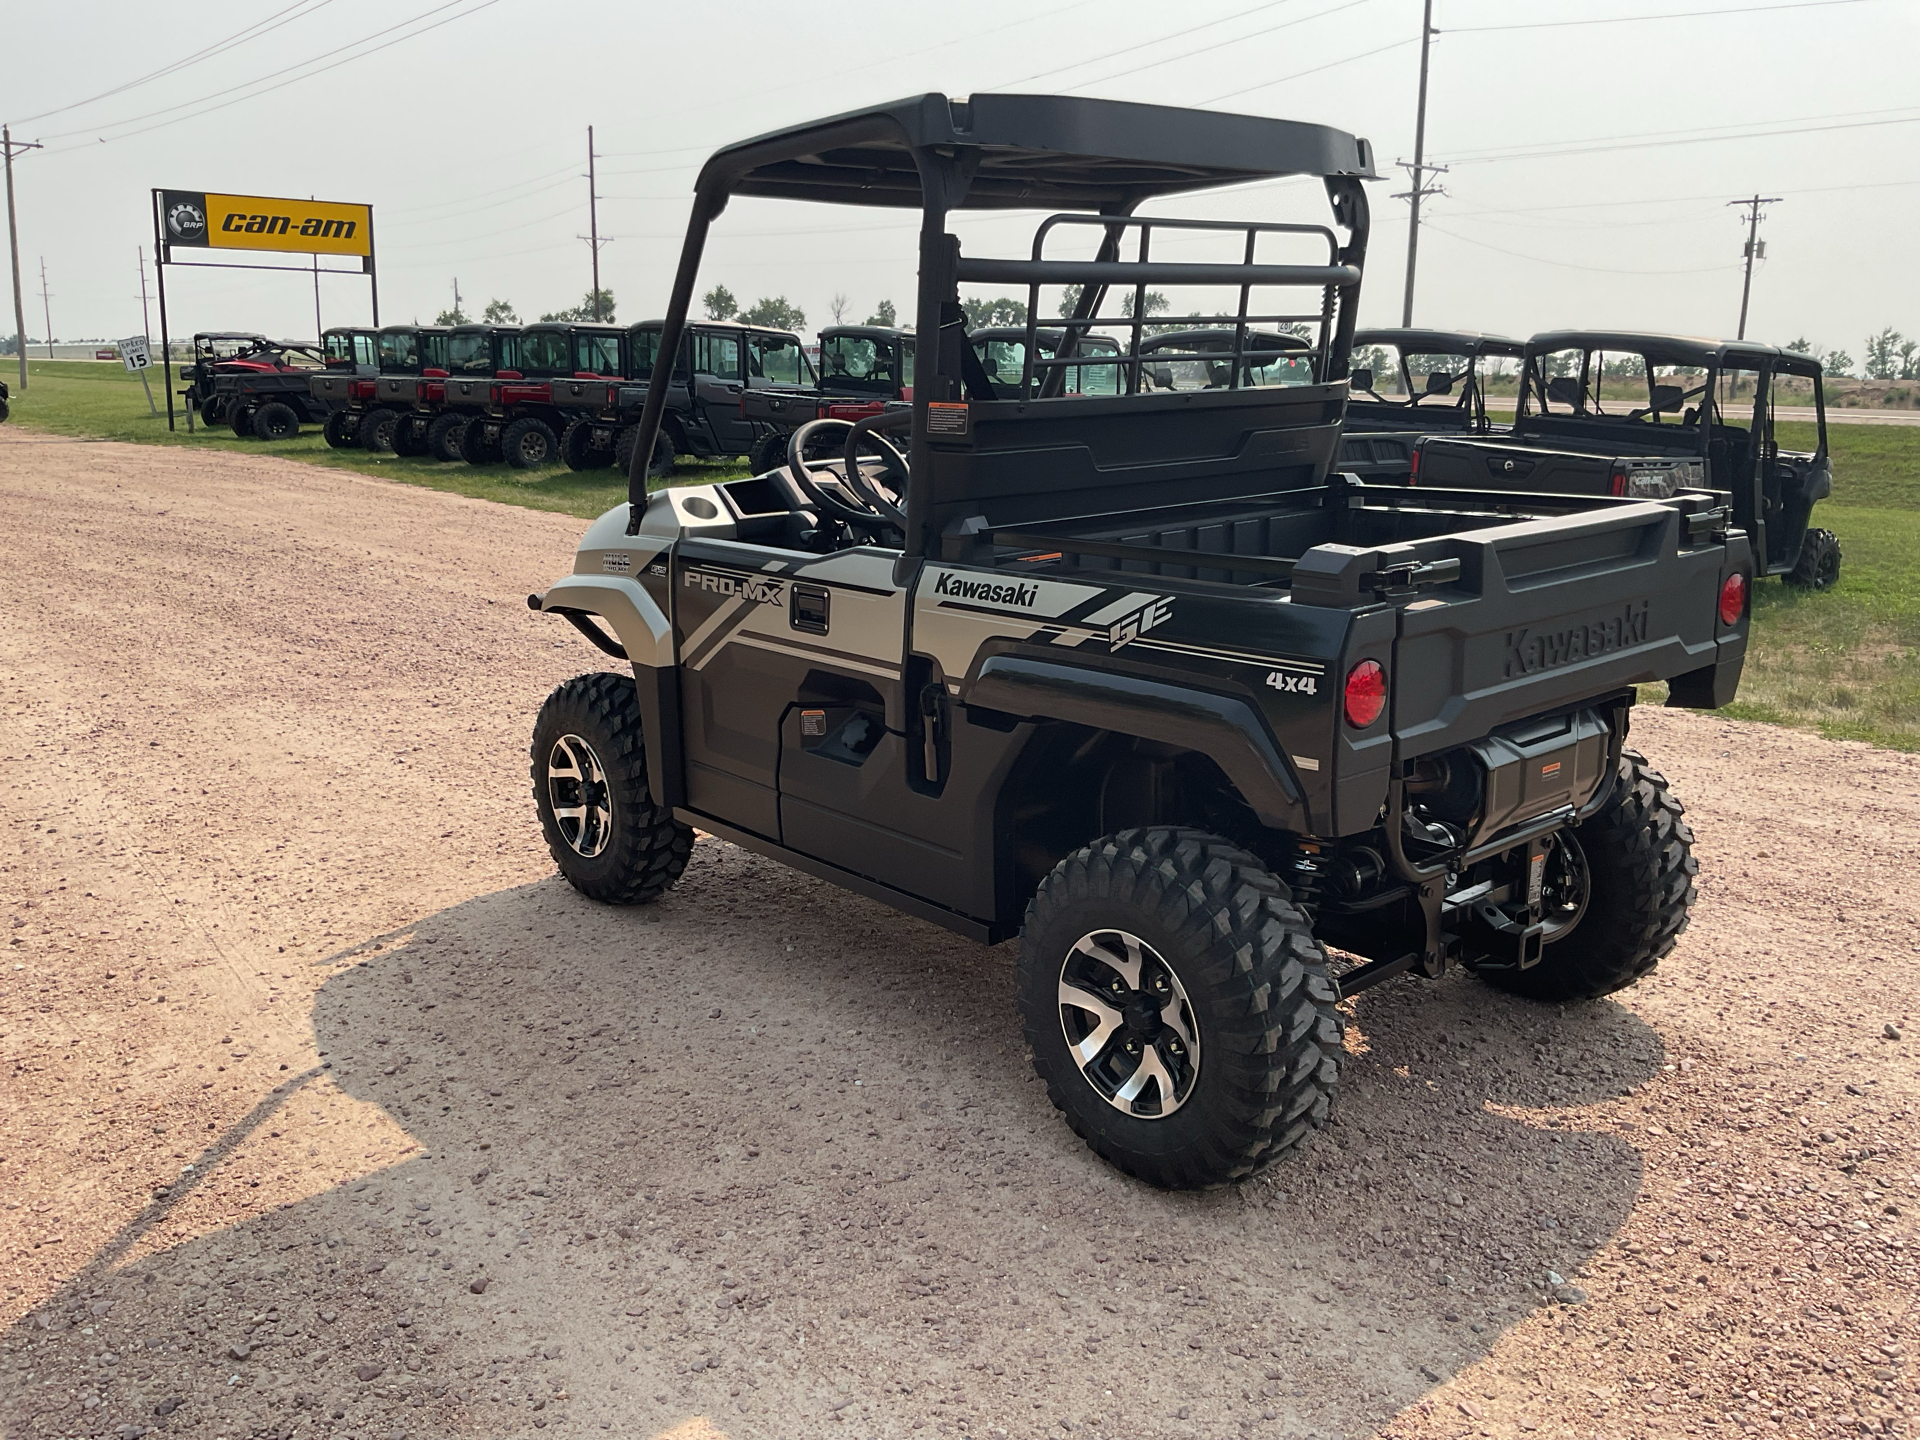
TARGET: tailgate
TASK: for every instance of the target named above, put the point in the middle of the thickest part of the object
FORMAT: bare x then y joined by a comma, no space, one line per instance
1552,612
1480,465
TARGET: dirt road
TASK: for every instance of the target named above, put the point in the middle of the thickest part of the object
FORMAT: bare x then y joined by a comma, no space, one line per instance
328,1110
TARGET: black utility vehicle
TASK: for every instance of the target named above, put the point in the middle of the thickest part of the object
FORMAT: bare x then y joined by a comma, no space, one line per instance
256,386
720,363
350,359
391,409
511,414
1133,676
863,370
5,408
1643,416
477,355
1409,383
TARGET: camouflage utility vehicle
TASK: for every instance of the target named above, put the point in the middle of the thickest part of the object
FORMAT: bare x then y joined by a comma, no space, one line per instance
1134,677
1645,416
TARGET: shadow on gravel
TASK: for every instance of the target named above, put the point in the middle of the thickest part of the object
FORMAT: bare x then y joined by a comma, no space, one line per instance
767,1153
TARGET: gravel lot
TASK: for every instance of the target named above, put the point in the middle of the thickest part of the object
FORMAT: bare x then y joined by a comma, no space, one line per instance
329,1109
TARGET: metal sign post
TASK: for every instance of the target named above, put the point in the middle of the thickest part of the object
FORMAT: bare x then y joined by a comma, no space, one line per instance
134,355
206,220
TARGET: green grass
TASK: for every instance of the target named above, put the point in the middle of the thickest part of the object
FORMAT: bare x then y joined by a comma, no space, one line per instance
105,402
1846,663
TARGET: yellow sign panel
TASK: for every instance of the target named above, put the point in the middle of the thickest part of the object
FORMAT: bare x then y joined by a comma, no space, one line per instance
260,222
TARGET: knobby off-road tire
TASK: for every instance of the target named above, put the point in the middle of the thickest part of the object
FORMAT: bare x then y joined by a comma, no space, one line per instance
609,839
376,431
1818,567
410,435
275,421
1640,868
1220,947
529,443
211,410
576,445
663,452
340,430
475,447
443,437
770,453
240,421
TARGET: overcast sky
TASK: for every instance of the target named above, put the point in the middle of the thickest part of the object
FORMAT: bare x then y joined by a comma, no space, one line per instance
463,122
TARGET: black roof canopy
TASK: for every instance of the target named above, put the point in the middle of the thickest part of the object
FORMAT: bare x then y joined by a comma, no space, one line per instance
1030,152
1658,349
1445,342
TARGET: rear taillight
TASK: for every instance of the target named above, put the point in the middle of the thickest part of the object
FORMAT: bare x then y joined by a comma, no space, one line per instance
1617,485
1366,693
1733,598
1413,468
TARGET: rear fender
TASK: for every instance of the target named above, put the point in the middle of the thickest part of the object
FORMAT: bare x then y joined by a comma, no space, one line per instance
1227,729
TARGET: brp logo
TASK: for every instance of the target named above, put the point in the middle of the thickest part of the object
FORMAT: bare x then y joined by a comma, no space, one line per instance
187,222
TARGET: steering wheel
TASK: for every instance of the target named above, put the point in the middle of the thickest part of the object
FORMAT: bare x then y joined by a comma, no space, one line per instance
874,508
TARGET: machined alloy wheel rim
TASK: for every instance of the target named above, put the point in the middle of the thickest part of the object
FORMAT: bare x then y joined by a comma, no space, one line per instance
577,791
1128,1024
533,447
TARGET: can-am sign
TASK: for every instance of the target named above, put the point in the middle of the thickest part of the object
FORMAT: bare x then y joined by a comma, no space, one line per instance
259,222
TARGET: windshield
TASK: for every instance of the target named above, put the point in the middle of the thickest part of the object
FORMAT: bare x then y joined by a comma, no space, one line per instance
433,352
778,360
545,352
859,361
1441,374
470,353
1615,385
595,354
642,347
339,349
1166,369
399,353
1005,359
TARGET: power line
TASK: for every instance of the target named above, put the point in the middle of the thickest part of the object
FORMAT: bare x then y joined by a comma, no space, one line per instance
1298,74
1568,264
268,89
252,32
1632,19
1690,132
1218,45
1147,44
1682,140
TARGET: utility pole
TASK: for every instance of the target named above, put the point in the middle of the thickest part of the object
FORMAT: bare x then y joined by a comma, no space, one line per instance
146,323
1419,168
456,297
46,302
1756,250
592,238
8,144
319,334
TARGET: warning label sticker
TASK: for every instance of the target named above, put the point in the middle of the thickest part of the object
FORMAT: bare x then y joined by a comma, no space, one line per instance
947,419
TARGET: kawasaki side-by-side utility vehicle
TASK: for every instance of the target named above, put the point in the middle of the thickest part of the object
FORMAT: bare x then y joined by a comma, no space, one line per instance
1644,416
1134,677
1409,383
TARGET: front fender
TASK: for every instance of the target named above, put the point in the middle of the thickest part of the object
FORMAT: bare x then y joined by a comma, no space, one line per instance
1227,729
623,604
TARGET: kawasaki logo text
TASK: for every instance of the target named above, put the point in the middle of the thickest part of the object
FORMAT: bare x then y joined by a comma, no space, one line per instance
1529,651
744,587
992,592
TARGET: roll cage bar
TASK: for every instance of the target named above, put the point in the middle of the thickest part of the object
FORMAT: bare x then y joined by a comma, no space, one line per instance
1096,161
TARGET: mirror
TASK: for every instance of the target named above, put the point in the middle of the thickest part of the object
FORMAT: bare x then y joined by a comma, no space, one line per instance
1360,380
1564,390
1666,397
1440,383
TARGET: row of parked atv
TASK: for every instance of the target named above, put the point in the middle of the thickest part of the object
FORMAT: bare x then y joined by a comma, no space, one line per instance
1637,415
